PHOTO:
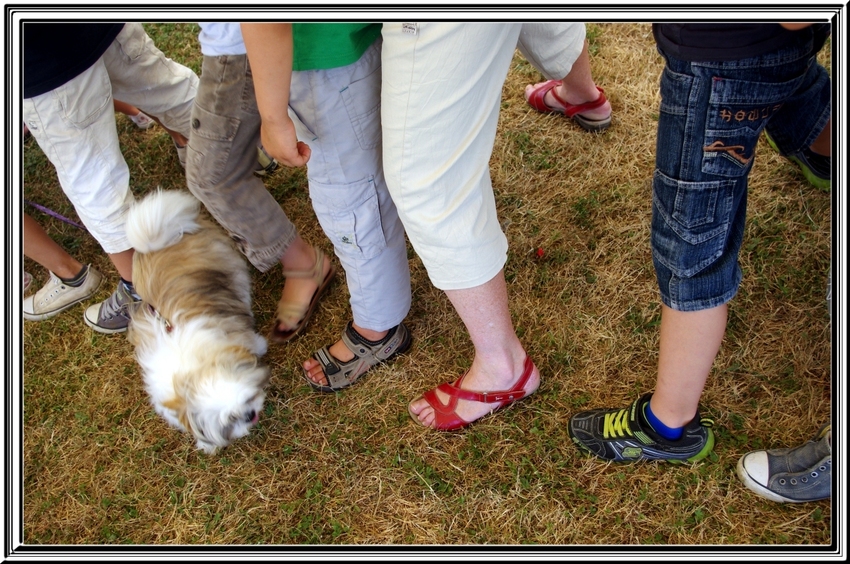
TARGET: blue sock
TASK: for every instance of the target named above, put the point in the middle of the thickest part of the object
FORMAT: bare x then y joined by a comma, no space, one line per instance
669,433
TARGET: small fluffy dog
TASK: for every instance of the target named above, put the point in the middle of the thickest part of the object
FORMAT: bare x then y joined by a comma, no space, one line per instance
194,331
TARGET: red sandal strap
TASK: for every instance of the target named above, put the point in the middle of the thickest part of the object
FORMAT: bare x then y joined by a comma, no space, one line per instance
537,97
517,392
572,109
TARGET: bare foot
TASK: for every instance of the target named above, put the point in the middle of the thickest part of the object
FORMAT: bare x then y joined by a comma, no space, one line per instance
338,350
572,98
478,379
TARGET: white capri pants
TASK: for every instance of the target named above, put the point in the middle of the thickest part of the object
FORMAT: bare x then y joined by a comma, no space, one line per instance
74,125
441,90
552,48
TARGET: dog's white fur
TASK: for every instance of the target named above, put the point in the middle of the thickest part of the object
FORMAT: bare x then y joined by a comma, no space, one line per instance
194,333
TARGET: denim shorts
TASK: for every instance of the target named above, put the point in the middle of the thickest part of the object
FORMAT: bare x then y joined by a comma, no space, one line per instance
711,116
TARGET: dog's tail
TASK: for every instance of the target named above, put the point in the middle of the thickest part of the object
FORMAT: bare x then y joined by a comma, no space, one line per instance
160,219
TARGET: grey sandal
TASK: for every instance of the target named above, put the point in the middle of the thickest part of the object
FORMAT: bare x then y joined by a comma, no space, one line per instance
367,354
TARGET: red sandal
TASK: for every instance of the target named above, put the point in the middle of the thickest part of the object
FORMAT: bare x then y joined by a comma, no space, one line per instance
445,416
536,101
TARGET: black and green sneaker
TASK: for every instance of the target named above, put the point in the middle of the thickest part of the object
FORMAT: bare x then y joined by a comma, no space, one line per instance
815,168
622,435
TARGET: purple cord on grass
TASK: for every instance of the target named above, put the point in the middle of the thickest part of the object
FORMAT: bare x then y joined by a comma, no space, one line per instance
52,213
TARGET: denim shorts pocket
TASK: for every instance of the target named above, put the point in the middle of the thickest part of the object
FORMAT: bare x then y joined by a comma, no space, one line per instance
362,99
675,92
350,216
209,146
690,222
85,99
738,110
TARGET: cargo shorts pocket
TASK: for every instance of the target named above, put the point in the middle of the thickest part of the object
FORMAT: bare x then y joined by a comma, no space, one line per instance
86,98
362,100
350,215
209,146
690,222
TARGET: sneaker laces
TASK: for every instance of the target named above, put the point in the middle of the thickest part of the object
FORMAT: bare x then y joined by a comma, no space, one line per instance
114,305
616,424
55,290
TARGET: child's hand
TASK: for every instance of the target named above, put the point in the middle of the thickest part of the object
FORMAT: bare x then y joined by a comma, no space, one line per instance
280,142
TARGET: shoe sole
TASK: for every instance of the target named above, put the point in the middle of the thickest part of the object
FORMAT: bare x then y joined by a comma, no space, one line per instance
759,489
55,312
706,450
104,330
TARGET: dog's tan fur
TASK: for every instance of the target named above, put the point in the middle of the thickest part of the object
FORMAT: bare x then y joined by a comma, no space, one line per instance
194,333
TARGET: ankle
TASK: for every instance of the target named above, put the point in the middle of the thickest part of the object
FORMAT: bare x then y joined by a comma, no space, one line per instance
670,433
576,97
369,334
74,277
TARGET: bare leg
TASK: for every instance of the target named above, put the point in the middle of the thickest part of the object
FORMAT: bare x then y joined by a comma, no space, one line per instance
690,341
45,251
823,143
123,262
125,108
130,110
499,356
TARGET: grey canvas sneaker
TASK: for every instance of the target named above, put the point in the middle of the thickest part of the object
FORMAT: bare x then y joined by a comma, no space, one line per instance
113,314
56,296
792,475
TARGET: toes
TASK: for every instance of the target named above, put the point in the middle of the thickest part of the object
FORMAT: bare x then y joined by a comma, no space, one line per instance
314,371
420,410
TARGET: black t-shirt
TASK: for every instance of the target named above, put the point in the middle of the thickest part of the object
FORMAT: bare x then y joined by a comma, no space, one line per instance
54,53
698,42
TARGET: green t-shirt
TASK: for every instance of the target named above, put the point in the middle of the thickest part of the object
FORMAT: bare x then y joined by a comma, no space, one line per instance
329,45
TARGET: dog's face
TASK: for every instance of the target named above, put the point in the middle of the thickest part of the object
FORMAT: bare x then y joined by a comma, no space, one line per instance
220,401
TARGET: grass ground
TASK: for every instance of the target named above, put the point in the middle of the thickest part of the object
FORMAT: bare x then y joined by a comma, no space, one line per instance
100,468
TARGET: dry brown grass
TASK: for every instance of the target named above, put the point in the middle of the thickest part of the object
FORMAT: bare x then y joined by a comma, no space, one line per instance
101,468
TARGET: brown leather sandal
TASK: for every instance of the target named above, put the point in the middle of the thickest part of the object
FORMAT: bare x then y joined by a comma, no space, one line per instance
297,315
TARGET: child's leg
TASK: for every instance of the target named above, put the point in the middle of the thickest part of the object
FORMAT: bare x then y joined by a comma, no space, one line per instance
689,343
142,76
39,246
802,128
222,155
337,113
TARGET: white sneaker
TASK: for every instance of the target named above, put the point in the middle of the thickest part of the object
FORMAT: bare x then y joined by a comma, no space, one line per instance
56,296
142,120
27,281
